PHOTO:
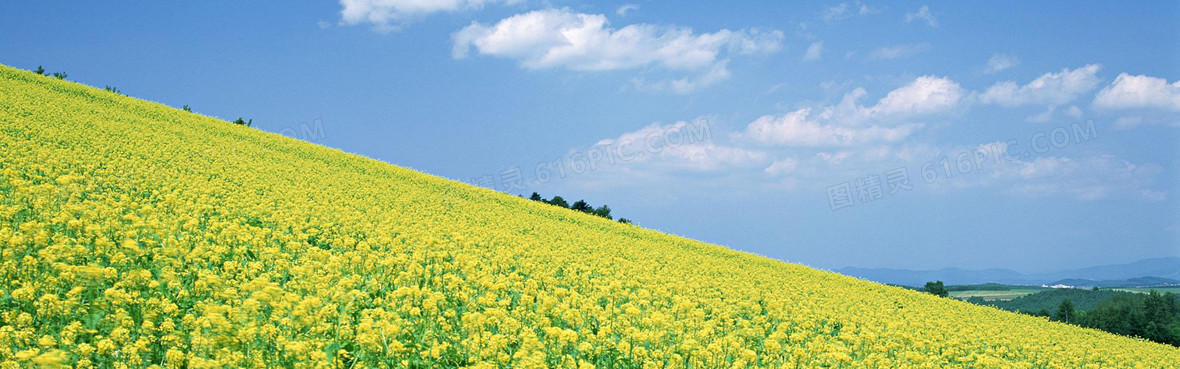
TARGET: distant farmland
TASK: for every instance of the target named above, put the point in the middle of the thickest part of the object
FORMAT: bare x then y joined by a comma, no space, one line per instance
992,295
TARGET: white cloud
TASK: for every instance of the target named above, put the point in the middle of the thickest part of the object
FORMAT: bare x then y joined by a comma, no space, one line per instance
799,128
899,51
626,8
927,94
835,158
1048,89
1095,177
1051,111
1084,178
813,147
847,10
720,167
815,51
816,169
682,145
1000,62
1139,92
782,166
392,15
585,42
923,14
685,85
844,124
709,156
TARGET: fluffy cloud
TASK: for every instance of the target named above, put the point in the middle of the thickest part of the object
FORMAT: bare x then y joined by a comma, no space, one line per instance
898,51
922,14
927,94
813,147
800,128
814,52
1048,89
1084,178
1000,62
684,85
1047,116
995,166
710,156
391,15
846,10
805,148
782,166
626,8
585,42
844,124
684,145
1139,92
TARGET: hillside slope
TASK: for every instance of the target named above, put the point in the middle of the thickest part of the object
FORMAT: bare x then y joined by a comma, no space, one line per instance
139,234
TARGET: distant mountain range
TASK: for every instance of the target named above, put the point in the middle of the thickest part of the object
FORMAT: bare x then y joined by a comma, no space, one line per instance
1143,273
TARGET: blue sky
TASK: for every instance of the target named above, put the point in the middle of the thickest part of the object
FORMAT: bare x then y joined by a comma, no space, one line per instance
750,126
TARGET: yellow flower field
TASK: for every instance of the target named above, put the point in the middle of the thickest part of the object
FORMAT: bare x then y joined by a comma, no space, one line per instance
136,235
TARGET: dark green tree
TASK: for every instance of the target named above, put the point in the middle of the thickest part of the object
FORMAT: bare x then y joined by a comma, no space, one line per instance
582,206
1066,312
1159,312
936,288
558,201
1155,307
603,211
39,70
1120,315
